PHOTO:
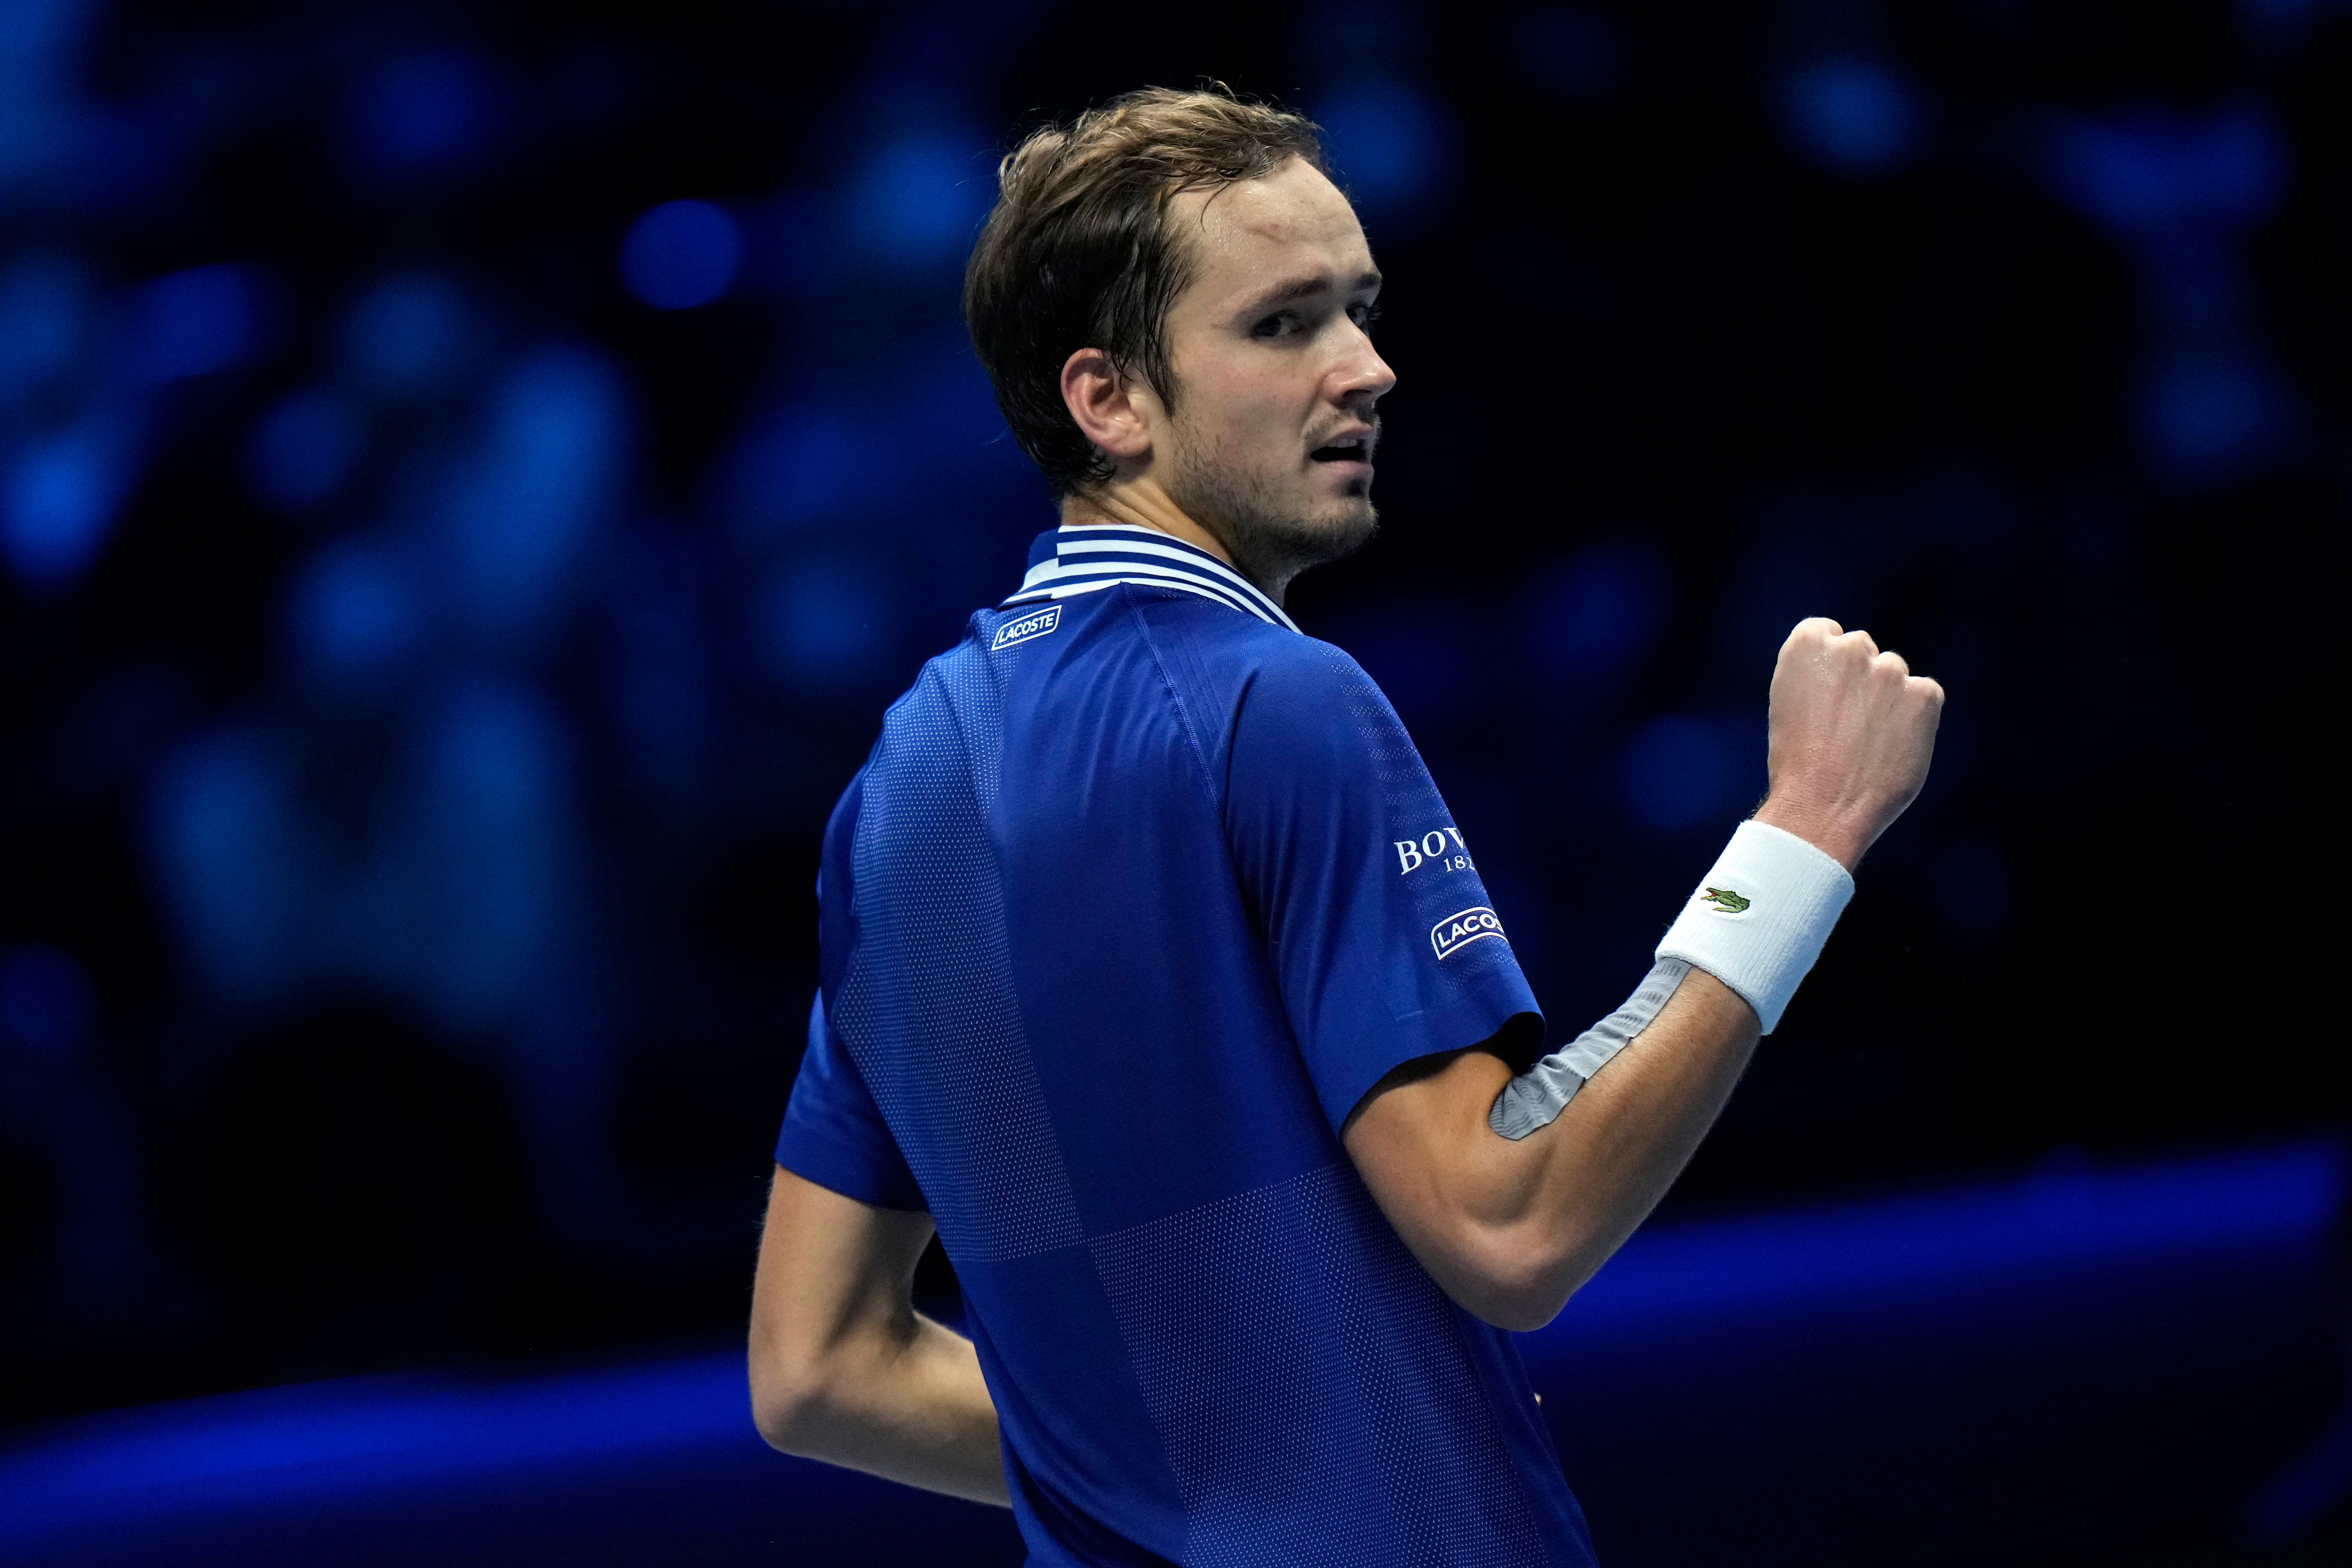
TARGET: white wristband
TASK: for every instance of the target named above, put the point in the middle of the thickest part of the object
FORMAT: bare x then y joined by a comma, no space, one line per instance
1760,918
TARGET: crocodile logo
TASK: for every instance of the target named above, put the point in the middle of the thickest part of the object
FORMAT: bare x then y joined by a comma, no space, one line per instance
1724,899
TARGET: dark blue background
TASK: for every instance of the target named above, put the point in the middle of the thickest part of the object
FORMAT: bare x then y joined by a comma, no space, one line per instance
470,476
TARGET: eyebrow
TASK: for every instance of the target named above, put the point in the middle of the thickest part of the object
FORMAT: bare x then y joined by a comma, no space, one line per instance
1313,283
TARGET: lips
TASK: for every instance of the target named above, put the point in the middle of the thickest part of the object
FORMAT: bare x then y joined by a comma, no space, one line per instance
1352,447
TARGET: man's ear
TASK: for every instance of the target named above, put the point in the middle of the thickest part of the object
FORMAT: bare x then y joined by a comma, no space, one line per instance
1114,410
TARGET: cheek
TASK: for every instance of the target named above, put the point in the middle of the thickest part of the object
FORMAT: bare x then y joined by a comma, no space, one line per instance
1246,421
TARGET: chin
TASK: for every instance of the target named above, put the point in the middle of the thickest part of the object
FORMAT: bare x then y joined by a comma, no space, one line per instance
1350,511
1276,535
1342,529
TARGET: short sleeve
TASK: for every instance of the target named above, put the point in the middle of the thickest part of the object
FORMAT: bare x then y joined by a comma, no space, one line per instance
1383,941
833,1133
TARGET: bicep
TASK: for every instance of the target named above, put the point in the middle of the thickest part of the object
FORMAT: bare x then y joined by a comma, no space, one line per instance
831,1269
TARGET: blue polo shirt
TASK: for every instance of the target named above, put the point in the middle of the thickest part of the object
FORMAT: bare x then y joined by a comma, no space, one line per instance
1141,890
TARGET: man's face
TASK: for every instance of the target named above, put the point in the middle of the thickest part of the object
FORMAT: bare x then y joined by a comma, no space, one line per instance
1270,443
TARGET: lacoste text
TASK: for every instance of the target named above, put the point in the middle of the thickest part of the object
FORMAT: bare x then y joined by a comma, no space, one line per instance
1455,932
1027,628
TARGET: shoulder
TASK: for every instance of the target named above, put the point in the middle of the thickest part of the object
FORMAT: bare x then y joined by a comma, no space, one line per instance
1301,693
1303,713
1301,677
927,703
1247,660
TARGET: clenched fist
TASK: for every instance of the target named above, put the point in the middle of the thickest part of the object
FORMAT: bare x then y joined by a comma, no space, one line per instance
1851,732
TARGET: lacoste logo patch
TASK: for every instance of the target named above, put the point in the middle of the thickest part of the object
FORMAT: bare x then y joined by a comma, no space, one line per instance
1027,628
1726,900
1455,932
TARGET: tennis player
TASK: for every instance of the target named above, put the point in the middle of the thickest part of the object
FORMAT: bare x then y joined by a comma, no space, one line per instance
1157,977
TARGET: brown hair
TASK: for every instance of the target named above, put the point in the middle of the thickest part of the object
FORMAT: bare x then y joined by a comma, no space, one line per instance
1078,252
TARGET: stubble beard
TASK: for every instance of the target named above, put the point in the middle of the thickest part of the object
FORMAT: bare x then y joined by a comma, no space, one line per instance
1272,539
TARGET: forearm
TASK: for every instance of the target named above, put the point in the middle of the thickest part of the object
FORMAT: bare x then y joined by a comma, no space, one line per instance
907,1403
1597,1171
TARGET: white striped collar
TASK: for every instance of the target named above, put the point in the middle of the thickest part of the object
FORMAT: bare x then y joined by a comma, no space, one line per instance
1066,561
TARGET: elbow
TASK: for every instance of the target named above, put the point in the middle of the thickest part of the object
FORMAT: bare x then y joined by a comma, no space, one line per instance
1515,1280
1523,1314
1522,1306
783,1423
789,1402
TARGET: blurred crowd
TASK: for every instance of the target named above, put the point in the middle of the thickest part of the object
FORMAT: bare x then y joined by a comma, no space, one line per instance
471,476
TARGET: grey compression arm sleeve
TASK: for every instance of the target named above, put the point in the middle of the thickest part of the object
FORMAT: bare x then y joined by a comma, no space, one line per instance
1536,1098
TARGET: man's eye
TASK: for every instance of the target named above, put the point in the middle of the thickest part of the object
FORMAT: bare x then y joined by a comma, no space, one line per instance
1275,326
1365,316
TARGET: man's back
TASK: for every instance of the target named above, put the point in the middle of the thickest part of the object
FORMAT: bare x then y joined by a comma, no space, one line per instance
1139,893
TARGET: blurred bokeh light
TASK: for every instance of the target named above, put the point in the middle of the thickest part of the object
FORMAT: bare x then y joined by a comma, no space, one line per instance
470,478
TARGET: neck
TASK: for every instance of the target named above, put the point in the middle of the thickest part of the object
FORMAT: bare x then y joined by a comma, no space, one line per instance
1140,502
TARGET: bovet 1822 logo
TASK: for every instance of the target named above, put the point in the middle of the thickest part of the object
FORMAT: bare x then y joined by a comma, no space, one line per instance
1455,932
1027,628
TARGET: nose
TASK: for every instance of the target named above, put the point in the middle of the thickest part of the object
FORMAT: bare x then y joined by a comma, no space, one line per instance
1361,376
